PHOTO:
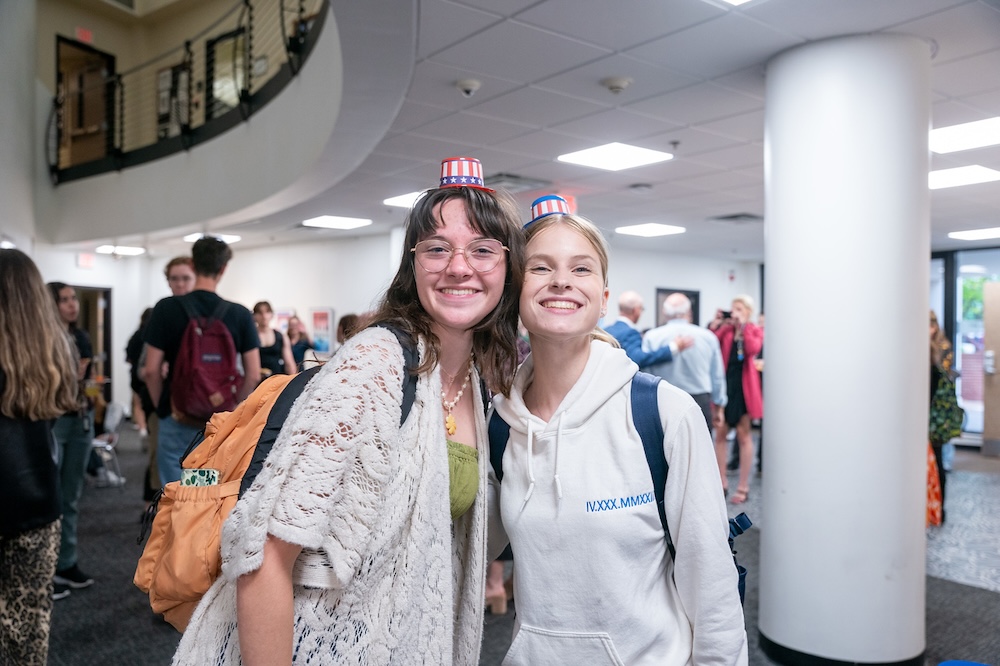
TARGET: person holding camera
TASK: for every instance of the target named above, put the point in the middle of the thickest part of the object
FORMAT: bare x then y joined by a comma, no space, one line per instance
741,340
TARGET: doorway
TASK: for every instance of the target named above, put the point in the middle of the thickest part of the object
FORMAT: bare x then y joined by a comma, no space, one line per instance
95,319
85,86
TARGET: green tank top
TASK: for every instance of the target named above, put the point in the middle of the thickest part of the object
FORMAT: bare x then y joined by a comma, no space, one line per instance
463,472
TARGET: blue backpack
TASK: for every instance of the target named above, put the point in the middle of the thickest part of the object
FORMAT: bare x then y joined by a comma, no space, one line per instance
646,412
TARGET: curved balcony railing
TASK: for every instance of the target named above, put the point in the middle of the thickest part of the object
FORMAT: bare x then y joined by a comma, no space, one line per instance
186,96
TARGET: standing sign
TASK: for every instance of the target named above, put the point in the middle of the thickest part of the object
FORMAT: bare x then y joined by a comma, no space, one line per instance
323,331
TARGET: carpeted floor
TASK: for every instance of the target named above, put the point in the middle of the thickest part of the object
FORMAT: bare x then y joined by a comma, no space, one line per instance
110,623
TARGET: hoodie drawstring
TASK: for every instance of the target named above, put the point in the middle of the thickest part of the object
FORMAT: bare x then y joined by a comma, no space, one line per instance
531,473
555,475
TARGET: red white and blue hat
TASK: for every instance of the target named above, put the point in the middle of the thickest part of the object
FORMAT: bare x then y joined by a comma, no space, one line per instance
462,172
550,204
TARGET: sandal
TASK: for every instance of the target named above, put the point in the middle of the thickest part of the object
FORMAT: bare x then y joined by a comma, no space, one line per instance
740,496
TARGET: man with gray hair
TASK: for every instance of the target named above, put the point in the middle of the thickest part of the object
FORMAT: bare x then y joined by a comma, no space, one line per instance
699,371
624,330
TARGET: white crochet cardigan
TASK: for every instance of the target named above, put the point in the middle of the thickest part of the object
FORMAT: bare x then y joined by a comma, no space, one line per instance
385,576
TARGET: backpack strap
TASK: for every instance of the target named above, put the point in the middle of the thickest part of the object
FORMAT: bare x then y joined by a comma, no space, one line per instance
217,314
275,419
646,417
411,360
499,433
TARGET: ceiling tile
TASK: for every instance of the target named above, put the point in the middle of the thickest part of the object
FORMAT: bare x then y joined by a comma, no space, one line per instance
519,52
544,145
472,129
621,24
699,103
443,23
967,76
647,80
817,19
414,114
434,84
959,32
743,127
500,7
697,51
613,125
733,158
536,108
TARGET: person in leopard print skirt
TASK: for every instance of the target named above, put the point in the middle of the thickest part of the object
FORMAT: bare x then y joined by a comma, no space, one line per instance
37,384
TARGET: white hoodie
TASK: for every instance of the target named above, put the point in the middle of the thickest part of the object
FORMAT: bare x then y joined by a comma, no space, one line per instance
595,583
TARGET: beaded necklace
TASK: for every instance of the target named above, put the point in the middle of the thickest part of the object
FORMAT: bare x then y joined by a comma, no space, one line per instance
450,425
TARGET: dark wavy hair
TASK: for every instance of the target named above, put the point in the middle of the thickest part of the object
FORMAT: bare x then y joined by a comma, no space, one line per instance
494,339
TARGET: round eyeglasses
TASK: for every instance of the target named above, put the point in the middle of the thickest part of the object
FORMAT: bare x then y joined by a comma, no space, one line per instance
482,255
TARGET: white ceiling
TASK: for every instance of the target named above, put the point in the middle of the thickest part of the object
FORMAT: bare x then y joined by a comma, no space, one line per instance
698,91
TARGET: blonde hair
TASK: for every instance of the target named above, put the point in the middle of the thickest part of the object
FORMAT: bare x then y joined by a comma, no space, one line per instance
593,235
746,300
940,346
36,356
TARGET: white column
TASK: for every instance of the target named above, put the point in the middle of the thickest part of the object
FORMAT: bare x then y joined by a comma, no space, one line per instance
847,236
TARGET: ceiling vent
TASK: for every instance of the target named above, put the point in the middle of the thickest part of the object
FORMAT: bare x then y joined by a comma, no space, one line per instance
515,184
737,218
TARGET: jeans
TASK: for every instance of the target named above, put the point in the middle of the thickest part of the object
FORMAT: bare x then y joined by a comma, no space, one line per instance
171,443
75,436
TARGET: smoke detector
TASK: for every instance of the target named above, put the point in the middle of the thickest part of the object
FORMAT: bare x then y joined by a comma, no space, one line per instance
616,84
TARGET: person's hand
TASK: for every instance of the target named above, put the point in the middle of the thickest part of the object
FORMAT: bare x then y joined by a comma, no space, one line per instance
717,416
759,364
717,321
683,342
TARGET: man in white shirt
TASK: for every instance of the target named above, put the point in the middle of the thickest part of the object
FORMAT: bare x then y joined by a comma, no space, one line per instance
699,370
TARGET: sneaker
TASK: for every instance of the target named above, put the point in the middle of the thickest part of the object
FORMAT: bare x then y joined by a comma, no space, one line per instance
108,479
59,591
73,577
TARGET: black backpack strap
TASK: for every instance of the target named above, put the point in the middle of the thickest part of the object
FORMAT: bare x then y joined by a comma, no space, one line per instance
499,433
738,526
411,360
275,420
646,417
217,314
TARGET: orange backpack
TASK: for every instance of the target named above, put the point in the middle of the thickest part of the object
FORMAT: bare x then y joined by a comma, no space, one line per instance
183,556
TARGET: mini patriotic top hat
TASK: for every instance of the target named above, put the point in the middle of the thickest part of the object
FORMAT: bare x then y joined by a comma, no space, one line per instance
462,172
550,204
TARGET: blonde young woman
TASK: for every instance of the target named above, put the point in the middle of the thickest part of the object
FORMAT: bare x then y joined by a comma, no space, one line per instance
38,382
595,581
363,541
741,340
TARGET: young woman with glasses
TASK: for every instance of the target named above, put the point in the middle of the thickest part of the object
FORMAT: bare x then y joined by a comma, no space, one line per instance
363,541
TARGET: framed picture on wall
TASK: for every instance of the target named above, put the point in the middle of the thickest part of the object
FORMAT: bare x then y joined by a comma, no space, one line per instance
661,295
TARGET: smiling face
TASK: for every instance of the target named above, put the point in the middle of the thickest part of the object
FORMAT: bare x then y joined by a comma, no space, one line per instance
564,291
458,297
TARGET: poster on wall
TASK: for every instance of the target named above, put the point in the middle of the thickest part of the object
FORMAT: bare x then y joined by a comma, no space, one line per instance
281,317
322,326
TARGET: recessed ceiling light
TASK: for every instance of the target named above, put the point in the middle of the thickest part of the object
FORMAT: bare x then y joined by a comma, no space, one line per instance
650,230
966,175
965,136
225,238
976,234
615,157
335,222
735,3
121,250
404,200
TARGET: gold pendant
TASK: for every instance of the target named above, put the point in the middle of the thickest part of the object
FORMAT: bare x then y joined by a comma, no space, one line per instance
449,424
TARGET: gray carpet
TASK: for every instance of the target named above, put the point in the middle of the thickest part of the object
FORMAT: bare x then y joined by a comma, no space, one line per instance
110,623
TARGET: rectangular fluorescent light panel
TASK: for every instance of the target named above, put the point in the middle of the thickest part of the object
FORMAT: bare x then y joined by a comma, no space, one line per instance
404,200
335,222
121,250
975,234
965,136
735,3
615,157
650,230
966,175
225,238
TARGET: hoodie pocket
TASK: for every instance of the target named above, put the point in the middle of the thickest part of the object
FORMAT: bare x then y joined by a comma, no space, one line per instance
533,646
